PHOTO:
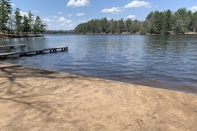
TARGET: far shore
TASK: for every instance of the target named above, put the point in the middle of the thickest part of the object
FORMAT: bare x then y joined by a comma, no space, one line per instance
7,36
123,33
34,99
138,33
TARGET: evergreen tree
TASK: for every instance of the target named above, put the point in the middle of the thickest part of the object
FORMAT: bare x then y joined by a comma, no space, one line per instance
120,26
128,24
37,23
136,26
18,20
158,22
38,26
115,27
150,22
31,20
11,24
194,21
182,21
92,24
26,27
104,25
111,26
5,11
168,21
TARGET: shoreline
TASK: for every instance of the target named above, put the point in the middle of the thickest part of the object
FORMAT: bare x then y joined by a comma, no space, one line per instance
150,84
18,36
36,99
123,33
138,33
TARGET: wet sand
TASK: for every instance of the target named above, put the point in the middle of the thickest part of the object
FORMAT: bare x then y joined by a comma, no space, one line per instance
40,100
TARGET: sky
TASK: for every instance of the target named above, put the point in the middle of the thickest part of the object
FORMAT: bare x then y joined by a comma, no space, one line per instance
67,14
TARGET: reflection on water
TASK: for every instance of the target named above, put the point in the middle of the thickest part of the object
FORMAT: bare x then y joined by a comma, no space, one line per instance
160,61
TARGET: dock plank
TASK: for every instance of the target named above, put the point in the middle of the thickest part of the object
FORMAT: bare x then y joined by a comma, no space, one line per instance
39,51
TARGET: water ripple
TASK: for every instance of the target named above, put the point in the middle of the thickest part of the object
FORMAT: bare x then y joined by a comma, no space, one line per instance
127,58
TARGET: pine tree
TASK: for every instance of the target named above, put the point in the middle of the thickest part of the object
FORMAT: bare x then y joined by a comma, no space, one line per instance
18,19
31,20
5,11
38,26
26,27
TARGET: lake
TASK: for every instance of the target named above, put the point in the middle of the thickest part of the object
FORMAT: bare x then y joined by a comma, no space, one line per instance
166,61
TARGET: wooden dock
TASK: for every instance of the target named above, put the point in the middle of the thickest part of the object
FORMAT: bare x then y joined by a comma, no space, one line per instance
12,46
40,51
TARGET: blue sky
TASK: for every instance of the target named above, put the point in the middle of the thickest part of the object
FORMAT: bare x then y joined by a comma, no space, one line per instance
67,14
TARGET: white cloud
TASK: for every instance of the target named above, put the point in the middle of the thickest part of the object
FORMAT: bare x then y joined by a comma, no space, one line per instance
109,18
47,20
113,10
156,6
193,9
137,3
69,15
78,3
64,21
59,13
131,16
59,24
63,24
80,14
23,13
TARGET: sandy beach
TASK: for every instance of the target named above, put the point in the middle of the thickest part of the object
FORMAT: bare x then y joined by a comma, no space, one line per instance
40,100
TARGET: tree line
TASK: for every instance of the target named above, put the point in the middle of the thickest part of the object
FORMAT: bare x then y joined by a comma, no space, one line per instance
59,32
13,22
157,22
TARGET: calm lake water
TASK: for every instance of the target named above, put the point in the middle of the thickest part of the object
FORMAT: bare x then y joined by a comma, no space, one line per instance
168,61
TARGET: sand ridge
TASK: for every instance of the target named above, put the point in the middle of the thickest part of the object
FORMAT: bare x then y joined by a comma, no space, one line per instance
34,100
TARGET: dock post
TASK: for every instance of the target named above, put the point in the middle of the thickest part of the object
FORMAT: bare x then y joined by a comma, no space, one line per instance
2,56
63,49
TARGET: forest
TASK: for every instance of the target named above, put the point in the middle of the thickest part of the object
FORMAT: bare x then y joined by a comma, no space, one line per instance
157,22
13,22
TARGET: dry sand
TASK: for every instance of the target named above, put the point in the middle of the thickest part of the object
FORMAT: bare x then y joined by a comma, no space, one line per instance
40,100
